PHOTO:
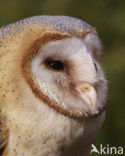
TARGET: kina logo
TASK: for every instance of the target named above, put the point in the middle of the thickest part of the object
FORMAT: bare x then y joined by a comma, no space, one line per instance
107,150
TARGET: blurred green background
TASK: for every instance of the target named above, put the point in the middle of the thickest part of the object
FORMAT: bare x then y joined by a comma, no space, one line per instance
108,16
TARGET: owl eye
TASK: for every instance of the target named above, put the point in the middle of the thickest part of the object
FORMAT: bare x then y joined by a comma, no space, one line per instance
95,66
55,64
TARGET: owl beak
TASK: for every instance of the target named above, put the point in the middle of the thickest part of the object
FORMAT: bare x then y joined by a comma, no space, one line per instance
88,93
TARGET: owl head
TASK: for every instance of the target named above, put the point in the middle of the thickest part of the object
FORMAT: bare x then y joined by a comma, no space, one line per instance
56,59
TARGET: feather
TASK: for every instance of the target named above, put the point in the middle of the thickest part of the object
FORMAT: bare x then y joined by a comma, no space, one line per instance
3,134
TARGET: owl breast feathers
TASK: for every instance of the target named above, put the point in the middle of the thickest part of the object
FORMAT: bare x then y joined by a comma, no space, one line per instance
52,87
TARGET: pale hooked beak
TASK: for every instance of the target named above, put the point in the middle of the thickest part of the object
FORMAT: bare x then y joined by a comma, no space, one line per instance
88,93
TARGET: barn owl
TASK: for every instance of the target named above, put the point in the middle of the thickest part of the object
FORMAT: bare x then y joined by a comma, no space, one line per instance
52,87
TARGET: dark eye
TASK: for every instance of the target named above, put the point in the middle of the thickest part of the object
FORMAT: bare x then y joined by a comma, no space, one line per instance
95,67
56,65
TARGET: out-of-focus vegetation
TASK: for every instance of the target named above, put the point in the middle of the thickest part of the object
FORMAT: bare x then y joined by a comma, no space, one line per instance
108,16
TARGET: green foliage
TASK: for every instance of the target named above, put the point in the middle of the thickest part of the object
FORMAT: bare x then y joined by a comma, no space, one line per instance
108,16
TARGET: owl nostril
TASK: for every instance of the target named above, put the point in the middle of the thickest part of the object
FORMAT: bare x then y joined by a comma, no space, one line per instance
55,64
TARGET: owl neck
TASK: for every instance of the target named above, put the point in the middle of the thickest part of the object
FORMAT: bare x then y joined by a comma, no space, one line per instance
81,146
53,134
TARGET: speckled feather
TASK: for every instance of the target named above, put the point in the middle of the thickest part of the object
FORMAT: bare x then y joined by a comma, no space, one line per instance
60,23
